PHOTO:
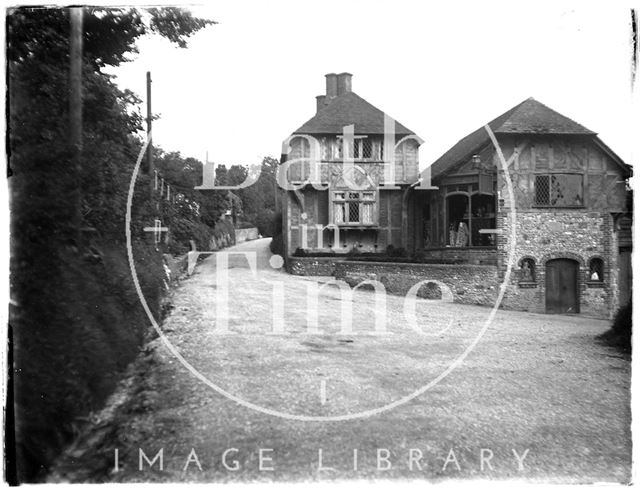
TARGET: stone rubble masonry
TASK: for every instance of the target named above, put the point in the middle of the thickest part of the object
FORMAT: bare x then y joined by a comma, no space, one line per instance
543,235
301,266
472,284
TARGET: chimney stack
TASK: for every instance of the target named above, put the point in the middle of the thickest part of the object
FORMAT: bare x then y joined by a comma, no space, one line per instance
344,83
332,85
336,85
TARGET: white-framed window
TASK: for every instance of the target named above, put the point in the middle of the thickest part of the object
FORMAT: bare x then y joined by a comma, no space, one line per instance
354,207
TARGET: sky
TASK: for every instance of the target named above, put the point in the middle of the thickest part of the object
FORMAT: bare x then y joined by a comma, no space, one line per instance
443,69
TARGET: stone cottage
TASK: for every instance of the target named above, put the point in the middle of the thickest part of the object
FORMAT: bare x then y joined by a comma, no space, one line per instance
571,199
572,204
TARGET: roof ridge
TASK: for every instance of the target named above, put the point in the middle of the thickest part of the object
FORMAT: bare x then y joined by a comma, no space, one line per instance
528,117
508,114
347,109
532,102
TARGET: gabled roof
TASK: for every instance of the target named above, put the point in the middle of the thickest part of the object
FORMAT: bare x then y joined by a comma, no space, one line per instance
533,117
348,109
528,117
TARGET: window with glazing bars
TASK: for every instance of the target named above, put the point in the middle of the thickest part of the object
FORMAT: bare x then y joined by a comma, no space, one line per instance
354,207
362,148
559,190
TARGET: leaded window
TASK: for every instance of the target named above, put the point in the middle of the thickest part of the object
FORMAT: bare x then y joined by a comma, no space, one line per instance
360,148
354,207
559,190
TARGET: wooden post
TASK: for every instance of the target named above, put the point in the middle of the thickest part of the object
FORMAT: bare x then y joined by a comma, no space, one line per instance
150,167
75,113
469,210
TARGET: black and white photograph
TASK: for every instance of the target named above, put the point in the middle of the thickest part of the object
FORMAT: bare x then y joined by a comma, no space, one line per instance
333,242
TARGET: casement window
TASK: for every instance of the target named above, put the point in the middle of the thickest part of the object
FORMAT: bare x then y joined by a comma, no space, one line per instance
354,207
559,190
305,147
363,148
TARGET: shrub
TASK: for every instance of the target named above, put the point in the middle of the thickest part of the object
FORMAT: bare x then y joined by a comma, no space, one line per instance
244,225
619,335
277,245
354,251
183,231
265,223
419,256
300,253
430,291
277,242
396,252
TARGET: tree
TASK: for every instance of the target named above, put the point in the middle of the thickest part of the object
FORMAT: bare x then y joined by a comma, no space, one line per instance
68,303
260,199
191,211
37,53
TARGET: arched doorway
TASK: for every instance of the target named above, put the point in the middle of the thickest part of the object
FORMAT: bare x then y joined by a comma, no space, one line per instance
562,286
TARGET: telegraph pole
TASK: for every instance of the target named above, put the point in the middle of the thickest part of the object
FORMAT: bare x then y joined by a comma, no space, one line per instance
150,166
75,112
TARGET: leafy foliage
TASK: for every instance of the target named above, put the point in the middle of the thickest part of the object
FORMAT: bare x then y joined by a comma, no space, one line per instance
176,24
259,199
77,311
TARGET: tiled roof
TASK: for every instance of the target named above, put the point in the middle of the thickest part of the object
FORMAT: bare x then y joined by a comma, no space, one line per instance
533,117
528,117
348,109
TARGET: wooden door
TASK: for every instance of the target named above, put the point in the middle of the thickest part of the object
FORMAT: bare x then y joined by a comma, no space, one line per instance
562,286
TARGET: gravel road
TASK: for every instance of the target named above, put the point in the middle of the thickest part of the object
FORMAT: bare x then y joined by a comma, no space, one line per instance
537,398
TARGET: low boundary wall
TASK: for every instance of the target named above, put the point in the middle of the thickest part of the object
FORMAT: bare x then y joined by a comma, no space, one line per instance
469,283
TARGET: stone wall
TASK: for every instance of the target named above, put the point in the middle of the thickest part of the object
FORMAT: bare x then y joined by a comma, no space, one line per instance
545,234
311,266
471,284
550,233
468,255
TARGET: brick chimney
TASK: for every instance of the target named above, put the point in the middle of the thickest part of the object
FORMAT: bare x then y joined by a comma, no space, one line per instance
332,85
344,83
336,85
